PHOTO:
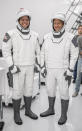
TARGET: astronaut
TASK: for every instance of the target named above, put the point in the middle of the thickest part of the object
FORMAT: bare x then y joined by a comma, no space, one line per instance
24,43
59,55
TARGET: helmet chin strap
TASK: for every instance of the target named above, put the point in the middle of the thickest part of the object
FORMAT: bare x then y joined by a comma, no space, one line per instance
22,30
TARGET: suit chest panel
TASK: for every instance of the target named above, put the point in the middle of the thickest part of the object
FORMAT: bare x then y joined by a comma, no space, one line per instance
20,44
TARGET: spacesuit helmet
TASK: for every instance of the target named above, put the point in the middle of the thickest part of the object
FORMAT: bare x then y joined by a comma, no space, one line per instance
20,14
61,17
23,12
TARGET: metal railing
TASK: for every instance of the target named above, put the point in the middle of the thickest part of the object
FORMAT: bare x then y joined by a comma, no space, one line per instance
70,12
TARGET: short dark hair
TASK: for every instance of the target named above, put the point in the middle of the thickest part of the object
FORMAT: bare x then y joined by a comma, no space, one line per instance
60,20
22,16
80,25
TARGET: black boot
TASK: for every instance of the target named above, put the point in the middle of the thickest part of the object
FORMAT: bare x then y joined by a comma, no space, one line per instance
16,107
28,111
50,110
64,109
1,125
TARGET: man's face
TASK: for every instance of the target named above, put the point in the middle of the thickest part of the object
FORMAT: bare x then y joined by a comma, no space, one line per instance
80,30
24,21
57,25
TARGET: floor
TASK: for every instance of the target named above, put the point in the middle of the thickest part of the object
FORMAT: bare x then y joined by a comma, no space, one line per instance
74,122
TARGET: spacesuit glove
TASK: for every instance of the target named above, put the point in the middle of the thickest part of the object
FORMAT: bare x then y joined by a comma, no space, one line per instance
43,72
68,75
14,69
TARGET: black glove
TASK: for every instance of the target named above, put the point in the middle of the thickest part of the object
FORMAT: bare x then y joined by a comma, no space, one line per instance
14,69
68,76
10,79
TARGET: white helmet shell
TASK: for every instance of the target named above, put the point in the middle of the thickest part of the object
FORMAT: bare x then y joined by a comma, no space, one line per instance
23,12
59,16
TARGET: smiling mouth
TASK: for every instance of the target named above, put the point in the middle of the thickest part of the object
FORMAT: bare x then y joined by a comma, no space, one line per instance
24,24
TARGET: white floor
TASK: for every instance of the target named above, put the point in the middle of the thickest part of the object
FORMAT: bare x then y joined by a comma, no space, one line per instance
74,122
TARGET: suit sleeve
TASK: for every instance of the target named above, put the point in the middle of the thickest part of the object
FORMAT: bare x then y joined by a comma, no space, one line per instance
73,55
38,50
6,49
43,54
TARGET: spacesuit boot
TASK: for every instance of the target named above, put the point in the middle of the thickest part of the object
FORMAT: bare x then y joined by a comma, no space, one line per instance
28,111
1,125
64,108
50,110
16,107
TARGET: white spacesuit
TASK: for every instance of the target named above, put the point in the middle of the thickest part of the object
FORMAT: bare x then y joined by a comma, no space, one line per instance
59,55
24,43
